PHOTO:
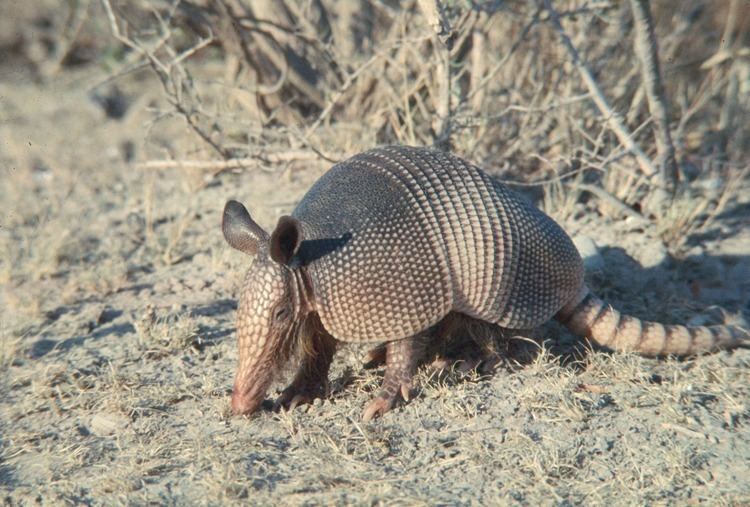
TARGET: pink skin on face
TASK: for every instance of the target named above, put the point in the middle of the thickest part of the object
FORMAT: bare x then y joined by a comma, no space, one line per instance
254,376
259,340
245,402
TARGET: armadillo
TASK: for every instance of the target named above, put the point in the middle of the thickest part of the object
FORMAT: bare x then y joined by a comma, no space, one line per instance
386,245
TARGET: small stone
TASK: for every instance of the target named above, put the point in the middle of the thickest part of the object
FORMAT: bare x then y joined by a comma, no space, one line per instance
696,251
592,259
106,424
654,254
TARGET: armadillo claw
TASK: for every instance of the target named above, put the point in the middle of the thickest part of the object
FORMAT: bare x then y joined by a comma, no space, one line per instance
291,398
442,364
483,365
298,399
378,407
406,392
385,402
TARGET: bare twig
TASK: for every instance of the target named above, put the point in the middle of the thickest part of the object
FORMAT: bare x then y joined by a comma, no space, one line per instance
433,11
276,53
613,118
67,39
647,52
614,202
172,82
350,80
435,15
306,142
513,47
222,165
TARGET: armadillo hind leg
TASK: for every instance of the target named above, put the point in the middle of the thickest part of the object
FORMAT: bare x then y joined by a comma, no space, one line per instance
457,342
435,342
311,380
464,355
466,344
402,358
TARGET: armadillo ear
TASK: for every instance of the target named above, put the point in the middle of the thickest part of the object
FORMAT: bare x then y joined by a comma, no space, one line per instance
240,231
285,239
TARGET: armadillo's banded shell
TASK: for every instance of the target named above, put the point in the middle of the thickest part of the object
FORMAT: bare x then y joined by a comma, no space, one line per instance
397,237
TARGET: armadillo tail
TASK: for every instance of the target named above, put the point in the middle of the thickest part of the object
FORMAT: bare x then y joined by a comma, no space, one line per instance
591,317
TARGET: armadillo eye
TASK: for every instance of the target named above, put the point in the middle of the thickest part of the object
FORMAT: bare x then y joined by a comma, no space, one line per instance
280,313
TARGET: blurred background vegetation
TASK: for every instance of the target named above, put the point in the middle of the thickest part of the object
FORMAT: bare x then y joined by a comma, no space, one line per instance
538,91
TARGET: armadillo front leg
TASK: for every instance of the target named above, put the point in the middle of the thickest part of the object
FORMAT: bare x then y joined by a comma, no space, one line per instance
311,380
402,358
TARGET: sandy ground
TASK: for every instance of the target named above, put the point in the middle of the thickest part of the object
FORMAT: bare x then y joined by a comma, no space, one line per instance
117,350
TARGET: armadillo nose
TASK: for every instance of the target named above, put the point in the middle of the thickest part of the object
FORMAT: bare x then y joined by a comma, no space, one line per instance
243,403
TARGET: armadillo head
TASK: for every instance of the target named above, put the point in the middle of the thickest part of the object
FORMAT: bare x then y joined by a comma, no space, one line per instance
271,306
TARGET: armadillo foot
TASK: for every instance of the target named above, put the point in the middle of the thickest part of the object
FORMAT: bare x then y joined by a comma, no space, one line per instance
442,364
311,380
482,365
294,396
382,404
401,360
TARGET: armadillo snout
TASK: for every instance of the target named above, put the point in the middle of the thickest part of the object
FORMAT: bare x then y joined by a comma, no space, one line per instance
245,401
265,328
242,404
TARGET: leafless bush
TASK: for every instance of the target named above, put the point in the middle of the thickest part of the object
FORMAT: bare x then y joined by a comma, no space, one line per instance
518,86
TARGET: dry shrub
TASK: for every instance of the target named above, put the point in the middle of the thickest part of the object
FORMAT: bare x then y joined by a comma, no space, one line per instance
497,82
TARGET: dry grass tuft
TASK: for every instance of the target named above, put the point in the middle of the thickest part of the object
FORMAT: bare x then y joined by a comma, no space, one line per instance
162,335
10,347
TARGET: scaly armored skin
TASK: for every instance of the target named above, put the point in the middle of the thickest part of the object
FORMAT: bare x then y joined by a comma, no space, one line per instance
392,242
